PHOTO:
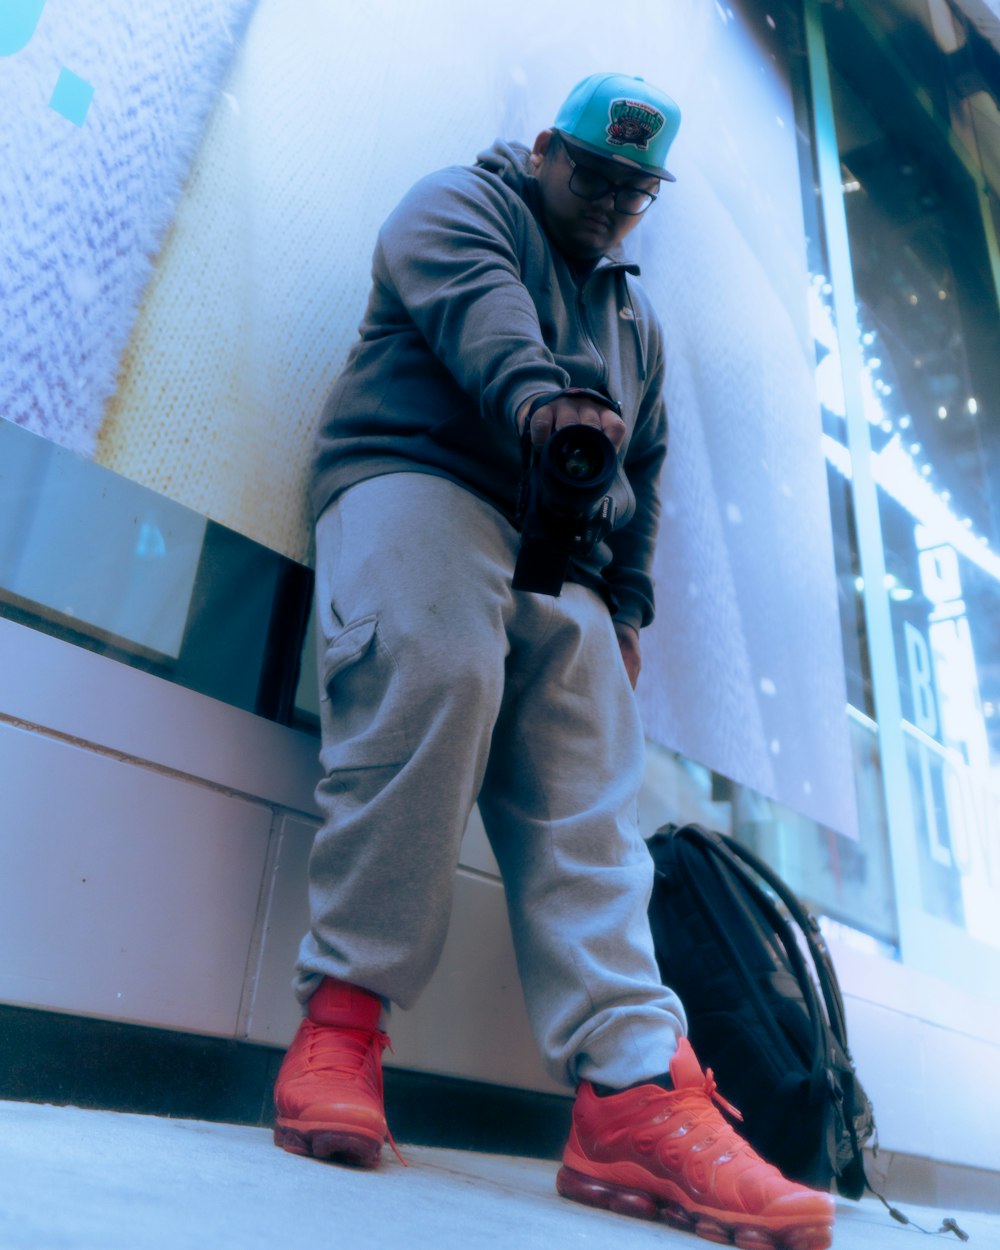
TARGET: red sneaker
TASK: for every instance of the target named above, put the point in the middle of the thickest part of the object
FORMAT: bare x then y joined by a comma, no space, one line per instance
669,1155
328,1095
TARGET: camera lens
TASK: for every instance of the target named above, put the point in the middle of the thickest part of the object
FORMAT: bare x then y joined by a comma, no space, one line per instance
578,462
581,458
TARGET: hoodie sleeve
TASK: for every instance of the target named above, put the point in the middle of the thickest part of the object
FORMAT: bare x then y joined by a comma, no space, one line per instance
630,572
450,255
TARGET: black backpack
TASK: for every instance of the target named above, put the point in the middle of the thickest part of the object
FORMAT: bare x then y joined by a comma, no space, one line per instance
764,1007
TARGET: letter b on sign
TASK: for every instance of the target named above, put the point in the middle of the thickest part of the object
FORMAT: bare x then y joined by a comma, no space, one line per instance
921,680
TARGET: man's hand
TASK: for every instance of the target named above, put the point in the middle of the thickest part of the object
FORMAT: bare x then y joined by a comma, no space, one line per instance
571,410
628,641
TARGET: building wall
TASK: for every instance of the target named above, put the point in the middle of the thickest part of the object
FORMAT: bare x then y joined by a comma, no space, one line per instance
153,871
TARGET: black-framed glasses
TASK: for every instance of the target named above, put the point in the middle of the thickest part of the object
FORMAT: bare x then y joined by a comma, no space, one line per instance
588,184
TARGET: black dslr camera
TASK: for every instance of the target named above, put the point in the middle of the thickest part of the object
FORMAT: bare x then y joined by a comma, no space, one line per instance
565,506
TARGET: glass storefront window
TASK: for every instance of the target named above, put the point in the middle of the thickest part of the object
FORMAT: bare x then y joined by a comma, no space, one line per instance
97,560
848,881
930,358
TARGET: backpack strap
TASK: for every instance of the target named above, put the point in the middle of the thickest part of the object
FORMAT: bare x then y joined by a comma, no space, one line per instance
810,928
730,854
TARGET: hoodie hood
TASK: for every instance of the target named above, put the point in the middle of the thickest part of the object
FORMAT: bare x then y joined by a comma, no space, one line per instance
509,161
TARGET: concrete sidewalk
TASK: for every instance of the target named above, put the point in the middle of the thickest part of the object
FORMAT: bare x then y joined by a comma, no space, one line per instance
98,1180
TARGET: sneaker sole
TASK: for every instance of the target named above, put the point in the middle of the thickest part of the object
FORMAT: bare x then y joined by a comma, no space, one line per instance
331,1145
644,1206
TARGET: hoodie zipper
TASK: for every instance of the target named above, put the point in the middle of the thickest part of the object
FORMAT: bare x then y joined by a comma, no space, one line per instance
588,332
621,277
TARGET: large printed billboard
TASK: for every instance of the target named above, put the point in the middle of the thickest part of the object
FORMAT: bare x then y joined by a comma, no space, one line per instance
190,191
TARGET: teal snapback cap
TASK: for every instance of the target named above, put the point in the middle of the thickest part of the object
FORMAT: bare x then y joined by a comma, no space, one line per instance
623,119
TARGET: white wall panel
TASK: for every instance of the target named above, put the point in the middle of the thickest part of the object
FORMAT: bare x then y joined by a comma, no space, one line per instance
123,893
936,1091
476,851
890,1064
910,992
471,1020
962,1084
271,1012
94,699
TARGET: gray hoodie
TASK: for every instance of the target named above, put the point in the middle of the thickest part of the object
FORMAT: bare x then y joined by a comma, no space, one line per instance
472,311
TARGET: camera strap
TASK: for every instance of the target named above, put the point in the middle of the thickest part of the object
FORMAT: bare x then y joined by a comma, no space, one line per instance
572,392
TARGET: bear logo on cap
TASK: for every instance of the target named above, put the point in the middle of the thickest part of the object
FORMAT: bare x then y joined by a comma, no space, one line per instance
633,123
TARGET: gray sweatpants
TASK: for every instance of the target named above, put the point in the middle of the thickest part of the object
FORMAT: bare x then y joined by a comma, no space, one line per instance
441,685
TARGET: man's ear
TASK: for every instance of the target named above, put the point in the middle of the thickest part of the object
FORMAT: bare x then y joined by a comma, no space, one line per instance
540,149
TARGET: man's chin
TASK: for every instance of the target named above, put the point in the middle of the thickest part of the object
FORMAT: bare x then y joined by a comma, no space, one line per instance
588,244
597,236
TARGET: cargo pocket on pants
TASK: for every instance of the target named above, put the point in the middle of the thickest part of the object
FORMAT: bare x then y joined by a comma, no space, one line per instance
363,720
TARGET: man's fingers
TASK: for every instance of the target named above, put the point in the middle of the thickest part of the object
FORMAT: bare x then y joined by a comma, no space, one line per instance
542,425
601,419
614,427
573,411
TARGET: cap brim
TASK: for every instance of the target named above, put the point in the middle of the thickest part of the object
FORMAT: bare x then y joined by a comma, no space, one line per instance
625,162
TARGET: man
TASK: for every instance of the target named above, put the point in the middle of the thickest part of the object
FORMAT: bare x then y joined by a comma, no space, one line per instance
501,303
